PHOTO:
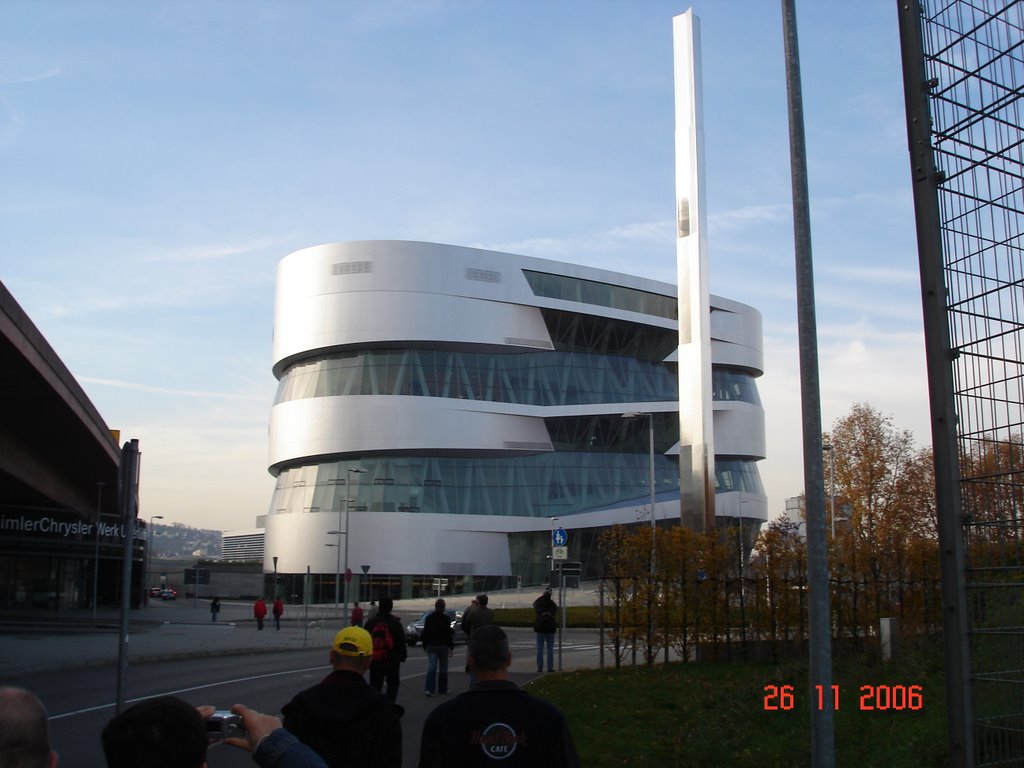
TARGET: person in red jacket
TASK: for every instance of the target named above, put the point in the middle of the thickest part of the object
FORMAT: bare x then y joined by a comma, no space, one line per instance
259,610
278,612
357,615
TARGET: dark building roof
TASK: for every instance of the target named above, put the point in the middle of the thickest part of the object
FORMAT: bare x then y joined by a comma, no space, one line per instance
54,445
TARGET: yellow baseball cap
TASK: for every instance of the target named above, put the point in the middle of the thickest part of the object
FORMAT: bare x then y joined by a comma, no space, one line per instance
353,641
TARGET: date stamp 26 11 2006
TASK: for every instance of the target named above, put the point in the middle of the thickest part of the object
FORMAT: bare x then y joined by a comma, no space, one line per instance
870,697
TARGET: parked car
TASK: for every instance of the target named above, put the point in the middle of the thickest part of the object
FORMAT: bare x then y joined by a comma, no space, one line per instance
168,594
155,591
415,628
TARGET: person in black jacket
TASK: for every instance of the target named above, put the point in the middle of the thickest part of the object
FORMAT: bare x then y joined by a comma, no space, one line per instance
439,644
545,624
342,718
388,649
495,720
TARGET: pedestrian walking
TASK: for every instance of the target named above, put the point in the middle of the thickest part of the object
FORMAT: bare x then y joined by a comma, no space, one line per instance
357,615
545,624
214,608
278,612
259,612
476,616
439,644
389,649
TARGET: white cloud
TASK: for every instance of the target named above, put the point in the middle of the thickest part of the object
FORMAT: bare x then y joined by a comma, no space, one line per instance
737,219
31,77
643,248
857,363
234,396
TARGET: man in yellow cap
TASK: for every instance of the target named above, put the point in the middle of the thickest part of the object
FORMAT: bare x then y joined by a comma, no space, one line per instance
342,718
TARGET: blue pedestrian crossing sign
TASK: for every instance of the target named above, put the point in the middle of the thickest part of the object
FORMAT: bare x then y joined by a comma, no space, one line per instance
559,538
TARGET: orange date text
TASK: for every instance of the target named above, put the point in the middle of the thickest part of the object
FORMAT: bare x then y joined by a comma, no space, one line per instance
879,698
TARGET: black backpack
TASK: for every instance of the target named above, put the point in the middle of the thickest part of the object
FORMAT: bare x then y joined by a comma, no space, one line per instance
546,622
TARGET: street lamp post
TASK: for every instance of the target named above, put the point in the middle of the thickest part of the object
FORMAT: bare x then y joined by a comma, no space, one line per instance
337,568
149,547
338,533
348,504
551,557
96,555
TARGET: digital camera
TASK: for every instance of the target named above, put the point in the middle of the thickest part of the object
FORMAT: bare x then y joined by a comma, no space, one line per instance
224,725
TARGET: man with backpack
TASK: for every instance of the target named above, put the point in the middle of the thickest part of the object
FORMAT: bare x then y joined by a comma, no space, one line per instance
389,650
341,718
545,625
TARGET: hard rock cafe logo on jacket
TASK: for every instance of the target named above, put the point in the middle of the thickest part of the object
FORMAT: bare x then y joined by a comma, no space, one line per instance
498,740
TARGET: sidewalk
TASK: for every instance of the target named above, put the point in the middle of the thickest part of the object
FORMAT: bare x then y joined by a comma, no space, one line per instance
183,629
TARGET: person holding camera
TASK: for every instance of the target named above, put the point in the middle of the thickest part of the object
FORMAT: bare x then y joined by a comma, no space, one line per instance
271,744
166,732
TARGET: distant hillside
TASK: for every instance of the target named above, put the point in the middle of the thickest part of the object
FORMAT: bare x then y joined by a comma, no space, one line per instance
179,540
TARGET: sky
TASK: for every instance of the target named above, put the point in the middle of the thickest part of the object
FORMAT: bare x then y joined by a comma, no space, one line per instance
158,159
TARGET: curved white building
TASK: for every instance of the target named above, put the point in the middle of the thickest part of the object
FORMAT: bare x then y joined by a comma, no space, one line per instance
482,394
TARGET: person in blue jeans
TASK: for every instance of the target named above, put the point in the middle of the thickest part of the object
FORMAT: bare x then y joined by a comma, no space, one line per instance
439,644
545,624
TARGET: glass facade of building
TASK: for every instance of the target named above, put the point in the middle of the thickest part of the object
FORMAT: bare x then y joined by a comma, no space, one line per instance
529,378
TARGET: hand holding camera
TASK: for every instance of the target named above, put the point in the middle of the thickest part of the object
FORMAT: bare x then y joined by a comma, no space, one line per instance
223,724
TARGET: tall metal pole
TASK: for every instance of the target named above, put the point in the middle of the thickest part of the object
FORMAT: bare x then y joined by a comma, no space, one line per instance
128,476
337,562
348,504
820,650
654,528
938,354
149,546
96,555
654,551
305,605
344,603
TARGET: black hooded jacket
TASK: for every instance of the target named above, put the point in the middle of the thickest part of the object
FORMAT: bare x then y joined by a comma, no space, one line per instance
347,722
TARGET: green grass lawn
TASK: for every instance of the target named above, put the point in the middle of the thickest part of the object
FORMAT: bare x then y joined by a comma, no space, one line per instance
715,715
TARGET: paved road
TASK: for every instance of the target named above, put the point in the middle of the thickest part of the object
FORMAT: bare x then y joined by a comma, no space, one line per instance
182,653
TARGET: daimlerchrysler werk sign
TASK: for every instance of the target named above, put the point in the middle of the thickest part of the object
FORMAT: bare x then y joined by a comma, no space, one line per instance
54,526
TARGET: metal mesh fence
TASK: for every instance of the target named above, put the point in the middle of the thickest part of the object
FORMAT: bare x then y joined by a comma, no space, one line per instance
974,55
